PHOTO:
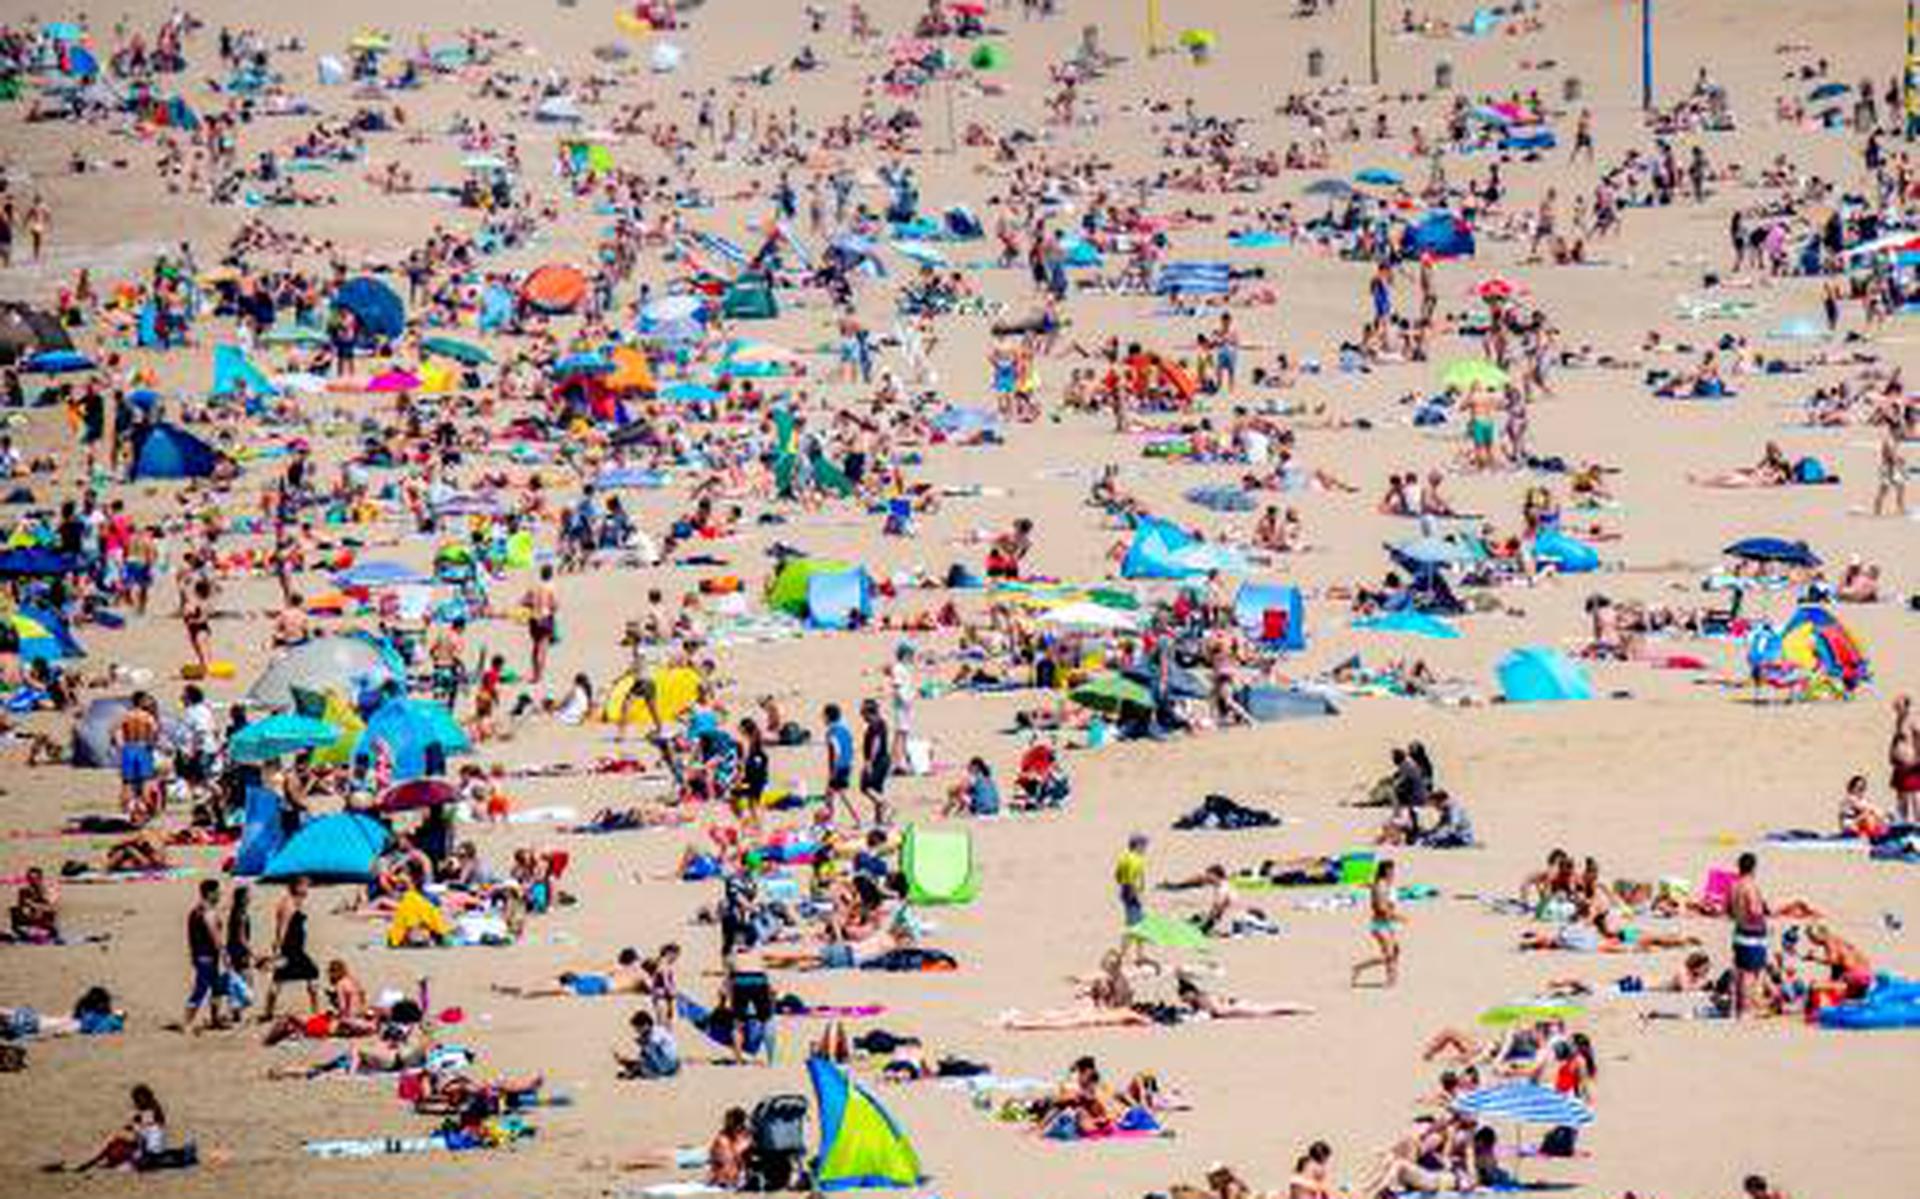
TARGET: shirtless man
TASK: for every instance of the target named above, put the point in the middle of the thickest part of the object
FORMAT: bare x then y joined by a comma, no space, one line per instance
1903,756
1748,910
136,737
543,621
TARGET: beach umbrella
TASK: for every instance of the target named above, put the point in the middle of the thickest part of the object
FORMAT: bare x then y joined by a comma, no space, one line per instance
1378,177
1329,187
1416,624
1828,91
369,41
1198,39
1111,693
1773,549
1167,932
692,393
38,636
1465,374
346,664
62,31
585,362
415,794
1430,551
279,735
294,335
1499,287
1085,614
1524,1103
57,362
394,381
463,352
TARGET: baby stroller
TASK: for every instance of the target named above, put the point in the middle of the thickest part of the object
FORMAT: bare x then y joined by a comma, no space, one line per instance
777,1160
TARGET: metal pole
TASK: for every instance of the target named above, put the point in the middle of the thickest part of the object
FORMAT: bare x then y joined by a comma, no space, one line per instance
1646,54
1373,42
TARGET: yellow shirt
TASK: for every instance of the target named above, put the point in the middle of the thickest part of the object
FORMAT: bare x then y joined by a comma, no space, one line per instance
1130,872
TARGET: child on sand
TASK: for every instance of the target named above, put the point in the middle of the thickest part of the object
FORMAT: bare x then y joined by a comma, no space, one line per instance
1385,914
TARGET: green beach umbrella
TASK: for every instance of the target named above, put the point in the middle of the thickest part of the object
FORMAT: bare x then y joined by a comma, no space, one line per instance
1469,373
463,352
1110,693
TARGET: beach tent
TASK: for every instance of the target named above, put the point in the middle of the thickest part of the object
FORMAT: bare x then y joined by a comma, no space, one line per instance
1417,624
1528,137
1568,555
418,735
233,373
588,157
1815,643
1272,613
788,590
1441,234
675,318
861,1146
261,833
344,664
170,452
377,307
340,848
37,634
631,372
36,562
1163,550
939,866
562,109
839,599
496,308
1194,279
1533,674
750,298
675,690
554,288
337,712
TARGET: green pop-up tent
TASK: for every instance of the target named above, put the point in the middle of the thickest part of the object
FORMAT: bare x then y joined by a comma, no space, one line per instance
939,866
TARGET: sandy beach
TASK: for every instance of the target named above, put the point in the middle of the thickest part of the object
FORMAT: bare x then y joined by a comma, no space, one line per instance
1668,772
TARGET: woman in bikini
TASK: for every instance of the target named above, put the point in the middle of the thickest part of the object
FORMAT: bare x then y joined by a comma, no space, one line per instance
1384,919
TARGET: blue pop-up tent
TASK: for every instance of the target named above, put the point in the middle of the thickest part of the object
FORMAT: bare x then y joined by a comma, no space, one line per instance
170,452
1533,674
234,373
340,848
839,599
418,736
261,835
1441,234
376,307
1271,613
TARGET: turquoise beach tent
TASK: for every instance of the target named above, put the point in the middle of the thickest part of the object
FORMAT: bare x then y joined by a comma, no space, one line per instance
1163,550
338,848
1568,555
233,373
1532,674
860,1144
419,736
261,834
839,599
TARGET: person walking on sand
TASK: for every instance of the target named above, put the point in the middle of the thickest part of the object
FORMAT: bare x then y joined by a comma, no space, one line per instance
1747,908
543,622
1903,756
1892,489
839,739
1384,917
293,964
204,954
1130,883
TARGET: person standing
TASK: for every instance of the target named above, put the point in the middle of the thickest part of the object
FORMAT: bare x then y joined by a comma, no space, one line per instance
1892,488
293,964
1903,757
900,689
137,736
839,762
1130,884
239,951
1747,908
543,622
1383,924
876,759
204,955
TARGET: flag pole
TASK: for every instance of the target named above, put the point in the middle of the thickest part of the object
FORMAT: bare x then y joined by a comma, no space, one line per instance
1646,54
